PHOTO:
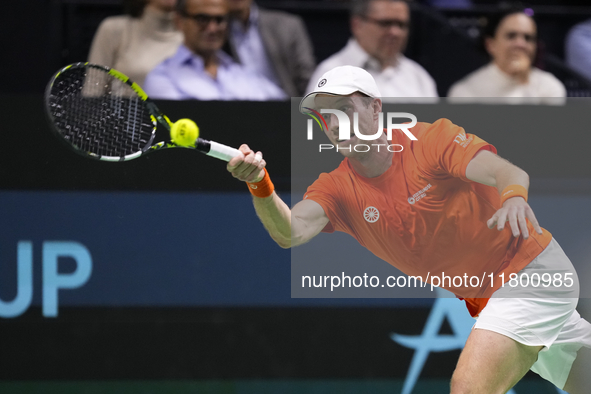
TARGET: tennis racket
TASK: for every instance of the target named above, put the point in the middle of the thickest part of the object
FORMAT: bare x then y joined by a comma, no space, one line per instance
101,114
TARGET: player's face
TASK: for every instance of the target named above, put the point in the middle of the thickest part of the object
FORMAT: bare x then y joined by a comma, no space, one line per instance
514,43
204,25
367,110
383,32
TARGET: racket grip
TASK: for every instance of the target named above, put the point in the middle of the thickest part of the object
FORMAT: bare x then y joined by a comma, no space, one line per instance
217,150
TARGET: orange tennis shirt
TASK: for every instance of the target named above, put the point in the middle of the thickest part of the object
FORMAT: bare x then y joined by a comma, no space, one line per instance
424,216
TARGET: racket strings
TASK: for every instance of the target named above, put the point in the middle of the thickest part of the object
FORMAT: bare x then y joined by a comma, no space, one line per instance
99,114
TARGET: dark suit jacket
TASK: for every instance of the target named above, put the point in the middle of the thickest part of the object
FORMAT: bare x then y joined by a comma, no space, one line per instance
288,47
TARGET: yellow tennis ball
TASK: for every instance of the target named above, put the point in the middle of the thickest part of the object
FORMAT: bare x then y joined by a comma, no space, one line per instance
184,132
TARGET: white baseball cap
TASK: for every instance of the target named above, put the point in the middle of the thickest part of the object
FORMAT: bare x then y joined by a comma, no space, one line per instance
342,81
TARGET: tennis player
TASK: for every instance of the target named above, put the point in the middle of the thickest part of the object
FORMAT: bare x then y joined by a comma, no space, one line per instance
441,204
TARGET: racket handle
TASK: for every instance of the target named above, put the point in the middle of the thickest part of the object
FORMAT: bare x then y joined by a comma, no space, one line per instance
217,150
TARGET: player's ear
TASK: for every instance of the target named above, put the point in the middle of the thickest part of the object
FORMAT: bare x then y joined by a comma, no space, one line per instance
376,106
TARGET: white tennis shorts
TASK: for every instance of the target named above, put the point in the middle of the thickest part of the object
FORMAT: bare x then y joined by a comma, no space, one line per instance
535,315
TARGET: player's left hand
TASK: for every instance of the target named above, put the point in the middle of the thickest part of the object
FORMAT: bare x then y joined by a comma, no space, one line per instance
515,211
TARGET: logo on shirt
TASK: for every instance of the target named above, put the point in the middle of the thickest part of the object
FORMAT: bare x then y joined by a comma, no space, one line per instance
371,214
322,82
462,140
418,195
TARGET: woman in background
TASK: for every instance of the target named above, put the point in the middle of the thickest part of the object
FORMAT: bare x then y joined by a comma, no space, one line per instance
510,38
136,42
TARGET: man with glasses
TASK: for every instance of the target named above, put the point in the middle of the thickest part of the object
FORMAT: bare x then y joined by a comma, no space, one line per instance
380,33
200,69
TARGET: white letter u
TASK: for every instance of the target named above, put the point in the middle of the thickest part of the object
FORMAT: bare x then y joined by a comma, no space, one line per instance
367,137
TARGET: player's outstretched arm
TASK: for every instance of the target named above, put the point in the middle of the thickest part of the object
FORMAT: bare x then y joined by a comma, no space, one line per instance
287,227
510,180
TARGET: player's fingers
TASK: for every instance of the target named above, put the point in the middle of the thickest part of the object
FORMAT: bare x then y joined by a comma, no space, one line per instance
522,224
258,161
245,149
246,175
252,159
235,162
513,223
529,213
257,167
244,170
249,158
247,166
255,172
255,176
493,220
501,219
256,158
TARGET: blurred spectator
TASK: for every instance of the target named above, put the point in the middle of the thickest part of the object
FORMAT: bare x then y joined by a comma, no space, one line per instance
135,43
200,69
380,33
578,48
271,43
510,39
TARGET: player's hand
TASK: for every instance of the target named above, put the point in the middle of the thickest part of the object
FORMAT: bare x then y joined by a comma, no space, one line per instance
249,166
515,211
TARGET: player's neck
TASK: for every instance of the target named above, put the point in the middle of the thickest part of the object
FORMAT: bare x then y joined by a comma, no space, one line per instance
372,164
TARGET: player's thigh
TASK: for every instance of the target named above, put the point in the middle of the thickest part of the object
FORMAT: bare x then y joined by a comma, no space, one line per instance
579,379
491,363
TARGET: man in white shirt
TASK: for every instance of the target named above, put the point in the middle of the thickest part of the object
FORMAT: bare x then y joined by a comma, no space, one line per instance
510,77
380,33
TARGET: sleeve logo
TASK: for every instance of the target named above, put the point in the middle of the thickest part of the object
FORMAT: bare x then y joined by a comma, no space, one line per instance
462,140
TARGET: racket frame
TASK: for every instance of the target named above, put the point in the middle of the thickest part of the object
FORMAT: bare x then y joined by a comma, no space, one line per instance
209,148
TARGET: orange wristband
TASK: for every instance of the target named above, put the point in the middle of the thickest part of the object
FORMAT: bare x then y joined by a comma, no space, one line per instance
263,188
513,191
